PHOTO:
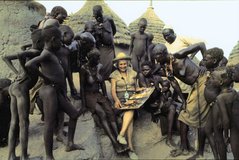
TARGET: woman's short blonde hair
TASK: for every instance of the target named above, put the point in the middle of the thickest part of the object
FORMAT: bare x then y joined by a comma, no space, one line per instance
121,56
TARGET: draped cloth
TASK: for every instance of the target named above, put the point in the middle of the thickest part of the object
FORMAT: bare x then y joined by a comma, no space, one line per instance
196,109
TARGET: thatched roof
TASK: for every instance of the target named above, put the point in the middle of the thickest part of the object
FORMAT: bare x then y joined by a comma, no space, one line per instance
155,25
233,60
77,20
15,21
234,56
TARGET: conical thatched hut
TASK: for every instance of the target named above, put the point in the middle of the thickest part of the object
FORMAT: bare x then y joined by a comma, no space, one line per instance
234,56
15,21
155,25
234,59
77,20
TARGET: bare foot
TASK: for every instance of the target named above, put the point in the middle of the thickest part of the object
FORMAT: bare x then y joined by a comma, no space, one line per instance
50,158
74,147
196,156
170,143
178,152
61,138
14,157
36,158
25,157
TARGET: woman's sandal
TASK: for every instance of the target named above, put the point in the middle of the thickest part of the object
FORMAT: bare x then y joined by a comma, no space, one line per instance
133,155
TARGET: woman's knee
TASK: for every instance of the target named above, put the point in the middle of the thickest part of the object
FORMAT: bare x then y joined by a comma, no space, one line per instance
129,112
129,115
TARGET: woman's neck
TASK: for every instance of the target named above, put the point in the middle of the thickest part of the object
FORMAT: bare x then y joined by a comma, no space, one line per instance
123,73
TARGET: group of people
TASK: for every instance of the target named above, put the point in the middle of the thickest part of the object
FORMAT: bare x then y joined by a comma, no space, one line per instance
189,94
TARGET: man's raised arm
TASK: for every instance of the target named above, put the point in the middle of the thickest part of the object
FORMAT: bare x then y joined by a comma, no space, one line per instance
191,49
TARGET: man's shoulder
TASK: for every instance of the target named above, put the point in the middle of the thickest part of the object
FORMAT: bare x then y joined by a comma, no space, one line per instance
188,40
107,17
63,52
141,76
65,49
47,53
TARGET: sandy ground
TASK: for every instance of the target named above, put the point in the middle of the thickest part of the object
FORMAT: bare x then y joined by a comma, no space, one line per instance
147,141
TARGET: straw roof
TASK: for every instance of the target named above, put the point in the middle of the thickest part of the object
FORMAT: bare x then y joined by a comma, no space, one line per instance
155,25
234,56
77,20
233,60
15,21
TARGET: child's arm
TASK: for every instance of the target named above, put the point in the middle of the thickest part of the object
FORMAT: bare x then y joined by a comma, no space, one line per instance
30,54
142,82
20,56
193,48
70,80
147,49
8,60
102,84
103,87
169,94
24,47
221,99
82,88
178,90
33,66
157,80
157,68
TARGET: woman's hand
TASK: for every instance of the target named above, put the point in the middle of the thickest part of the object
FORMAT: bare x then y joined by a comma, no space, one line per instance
118,104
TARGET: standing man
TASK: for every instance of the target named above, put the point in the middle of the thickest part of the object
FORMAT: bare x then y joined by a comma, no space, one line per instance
176,43
105,30
56,18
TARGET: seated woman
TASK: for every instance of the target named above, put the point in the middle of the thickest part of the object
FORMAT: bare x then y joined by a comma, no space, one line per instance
91,83
123,84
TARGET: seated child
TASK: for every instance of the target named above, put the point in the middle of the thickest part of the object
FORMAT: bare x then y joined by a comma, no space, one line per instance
168,107
158,103
147,79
